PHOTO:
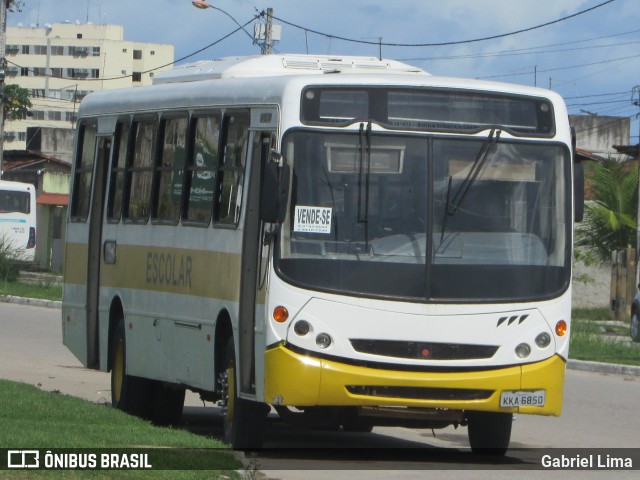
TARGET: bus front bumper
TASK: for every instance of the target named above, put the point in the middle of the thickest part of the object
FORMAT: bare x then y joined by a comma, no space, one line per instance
295,379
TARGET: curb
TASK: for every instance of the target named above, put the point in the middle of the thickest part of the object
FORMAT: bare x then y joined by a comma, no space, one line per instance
34,302
581,365
599,367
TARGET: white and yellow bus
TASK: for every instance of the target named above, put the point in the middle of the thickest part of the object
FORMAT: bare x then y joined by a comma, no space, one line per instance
18,220
351,241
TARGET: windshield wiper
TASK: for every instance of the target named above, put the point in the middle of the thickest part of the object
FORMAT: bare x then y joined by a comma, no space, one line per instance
454,203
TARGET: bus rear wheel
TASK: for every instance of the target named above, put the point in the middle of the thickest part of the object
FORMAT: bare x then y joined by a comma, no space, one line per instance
128,393
244,420
489,432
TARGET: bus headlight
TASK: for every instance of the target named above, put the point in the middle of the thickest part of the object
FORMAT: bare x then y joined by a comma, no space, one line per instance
301,327
543,340
523,350
323,340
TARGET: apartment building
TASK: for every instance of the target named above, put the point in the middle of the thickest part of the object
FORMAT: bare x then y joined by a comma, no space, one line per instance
61,63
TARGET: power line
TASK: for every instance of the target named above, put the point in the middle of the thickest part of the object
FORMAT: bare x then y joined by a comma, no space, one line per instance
561,68
441,44
121,77
596,95
528,50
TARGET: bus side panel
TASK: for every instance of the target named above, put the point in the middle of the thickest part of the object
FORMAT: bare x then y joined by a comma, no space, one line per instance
74,316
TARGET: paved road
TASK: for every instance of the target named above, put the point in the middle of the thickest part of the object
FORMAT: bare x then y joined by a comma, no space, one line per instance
600,412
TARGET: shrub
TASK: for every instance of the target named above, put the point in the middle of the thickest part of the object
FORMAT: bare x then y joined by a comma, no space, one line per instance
9,265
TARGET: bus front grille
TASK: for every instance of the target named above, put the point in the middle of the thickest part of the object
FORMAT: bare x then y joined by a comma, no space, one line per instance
424,350
420,393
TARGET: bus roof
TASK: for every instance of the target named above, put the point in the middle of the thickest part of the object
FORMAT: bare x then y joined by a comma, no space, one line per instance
262,80
278,65
15,186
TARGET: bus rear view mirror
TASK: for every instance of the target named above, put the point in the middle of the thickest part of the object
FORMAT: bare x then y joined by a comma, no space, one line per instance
578,192
275,191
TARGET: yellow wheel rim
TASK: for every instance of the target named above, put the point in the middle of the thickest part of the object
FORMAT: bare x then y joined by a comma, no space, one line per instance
231,396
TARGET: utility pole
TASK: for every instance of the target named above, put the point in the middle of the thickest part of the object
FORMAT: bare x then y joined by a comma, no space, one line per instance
635,99
3,64
268,33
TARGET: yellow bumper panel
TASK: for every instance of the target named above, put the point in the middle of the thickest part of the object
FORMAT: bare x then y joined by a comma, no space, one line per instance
298,380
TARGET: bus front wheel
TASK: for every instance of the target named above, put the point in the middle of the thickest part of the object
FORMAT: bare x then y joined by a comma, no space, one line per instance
489,432
244,420
128,393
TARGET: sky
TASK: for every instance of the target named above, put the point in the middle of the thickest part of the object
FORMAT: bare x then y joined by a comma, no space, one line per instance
592,59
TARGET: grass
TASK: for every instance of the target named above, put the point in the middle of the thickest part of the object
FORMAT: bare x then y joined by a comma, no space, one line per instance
34,419
42,291
596,339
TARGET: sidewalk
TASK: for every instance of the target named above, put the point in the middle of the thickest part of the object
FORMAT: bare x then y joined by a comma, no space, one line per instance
581,365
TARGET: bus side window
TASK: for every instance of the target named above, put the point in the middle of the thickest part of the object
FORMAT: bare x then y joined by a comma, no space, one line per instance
140,172
169,170
201,171
118,169
83,173
231,171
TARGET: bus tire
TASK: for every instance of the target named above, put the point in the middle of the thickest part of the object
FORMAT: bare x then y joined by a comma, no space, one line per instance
128,393
489,432
244,421
167,404
634,327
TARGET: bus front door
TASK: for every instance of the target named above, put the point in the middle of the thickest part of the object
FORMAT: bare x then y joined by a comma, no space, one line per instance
103,151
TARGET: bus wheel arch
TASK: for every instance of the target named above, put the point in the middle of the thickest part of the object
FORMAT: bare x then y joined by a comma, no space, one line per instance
223,332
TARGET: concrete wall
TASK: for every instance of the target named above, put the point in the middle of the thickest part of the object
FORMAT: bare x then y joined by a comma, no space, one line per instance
598,133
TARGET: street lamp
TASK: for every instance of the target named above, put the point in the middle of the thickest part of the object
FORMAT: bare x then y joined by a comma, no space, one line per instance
203,5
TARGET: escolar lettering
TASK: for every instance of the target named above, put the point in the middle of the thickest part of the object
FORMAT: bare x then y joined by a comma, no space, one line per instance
168,269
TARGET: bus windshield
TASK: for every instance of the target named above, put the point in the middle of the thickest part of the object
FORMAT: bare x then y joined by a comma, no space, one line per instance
371,214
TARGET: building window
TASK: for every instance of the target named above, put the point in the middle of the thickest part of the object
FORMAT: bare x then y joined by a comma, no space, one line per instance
136,77
55,116
12,49
22,136
25,49
37,92
95,73
57,50
124,50
137,54
25,72
79,35
153,52
95,51
39,72
56,72
40,49
37,115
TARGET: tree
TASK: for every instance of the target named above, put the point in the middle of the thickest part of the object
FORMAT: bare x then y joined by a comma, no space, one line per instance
15,102
15,5
610,218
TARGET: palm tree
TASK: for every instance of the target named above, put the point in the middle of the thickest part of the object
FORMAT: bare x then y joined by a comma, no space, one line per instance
610,218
